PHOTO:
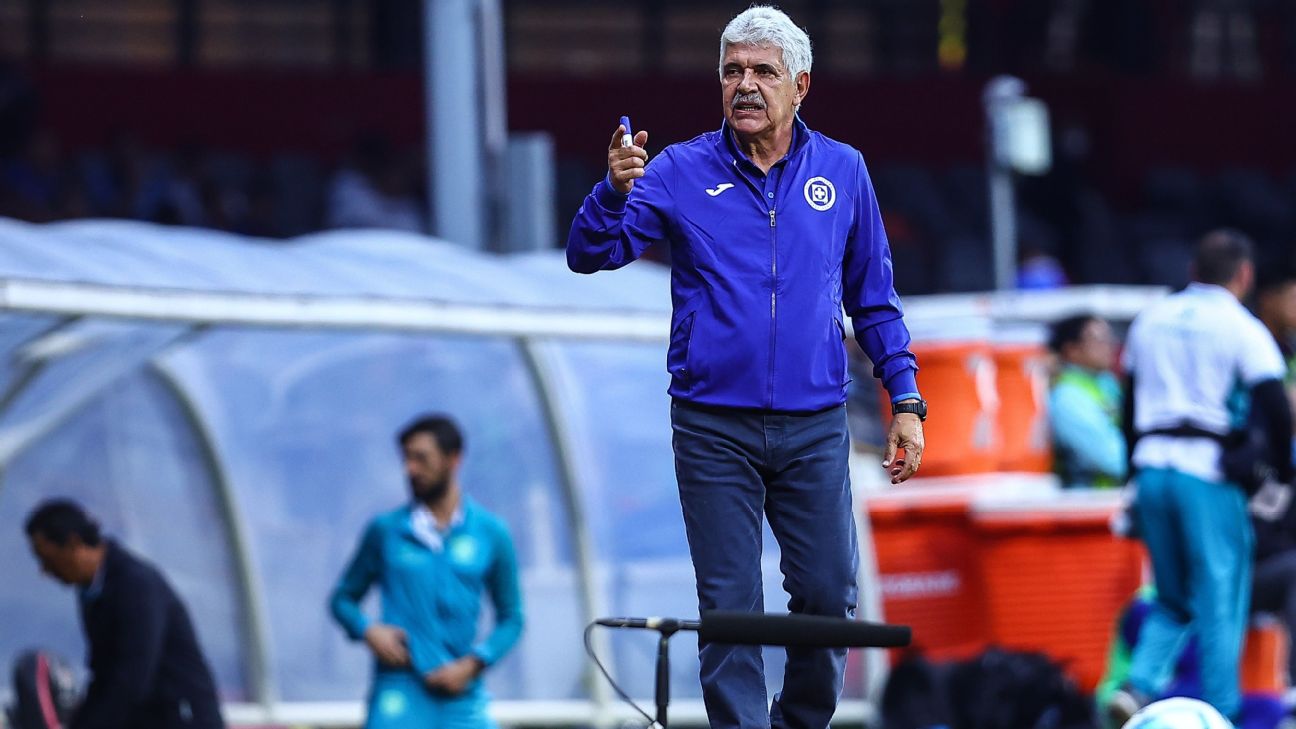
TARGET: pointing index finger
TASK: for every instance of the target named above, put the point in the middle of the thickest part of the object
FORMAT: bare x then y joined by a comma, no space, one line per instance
616,138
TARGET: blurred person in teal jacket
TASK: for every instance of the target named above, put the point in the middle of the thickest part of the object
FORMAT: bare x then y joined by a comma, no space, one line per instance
432,560
1085,404
1276,309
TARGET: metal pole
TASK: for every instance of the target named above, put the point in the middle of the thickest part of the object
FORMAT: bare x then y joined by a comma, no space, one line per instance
495,142
187,29
1000,91
565,450
258,660
454,122
1003,227
663,677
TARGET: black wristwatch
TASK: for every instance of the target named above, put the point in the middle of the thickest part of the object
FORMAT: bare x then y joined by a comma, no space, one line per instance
918,408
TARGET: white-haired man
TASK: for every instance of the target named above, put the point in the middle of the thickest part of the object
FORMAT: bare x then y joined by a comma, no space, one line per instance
772,228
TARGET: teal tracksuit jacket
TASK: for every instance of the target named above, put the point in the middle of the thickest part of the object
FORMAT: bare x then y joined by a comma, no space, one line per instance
434,595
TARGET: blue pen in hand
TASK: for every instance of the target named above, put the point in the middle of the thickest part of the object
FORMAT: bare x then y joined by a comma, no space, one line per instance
627,138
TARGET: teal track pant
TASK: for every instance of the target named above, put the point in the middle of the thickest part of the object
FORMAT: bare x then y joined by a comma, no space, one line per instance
1200,542
399,701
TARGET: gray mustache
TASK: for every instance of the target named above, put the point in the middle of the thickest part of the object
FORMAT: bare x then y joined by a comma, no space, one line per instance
754,98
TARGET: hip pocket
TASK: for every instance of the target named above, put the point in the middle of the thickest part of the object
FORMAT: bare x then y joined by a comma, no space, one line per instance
677,357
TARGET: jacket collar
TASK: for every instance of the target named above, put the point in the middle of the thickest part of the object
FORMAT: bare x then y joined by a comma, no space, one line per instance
727,145
1204,289
461,516
96,587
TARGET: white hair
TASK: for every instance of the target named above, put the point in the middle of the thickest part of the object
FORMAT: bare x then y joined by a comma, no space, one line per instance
766,25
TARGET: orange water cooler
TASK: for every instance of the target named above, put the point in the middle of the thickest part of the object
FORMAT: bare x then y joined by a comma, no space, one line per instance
927,567
1022,380
1055,577
956,374
1264,658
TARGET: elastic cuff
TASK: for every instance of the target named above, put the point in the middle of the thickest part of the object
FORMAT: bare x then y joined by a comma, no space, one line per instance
608,198
480,654
363,625
904,383
905,396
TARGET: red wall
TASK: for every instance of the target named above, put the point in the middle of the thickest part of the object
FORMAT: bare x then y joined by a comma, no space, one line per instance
934,121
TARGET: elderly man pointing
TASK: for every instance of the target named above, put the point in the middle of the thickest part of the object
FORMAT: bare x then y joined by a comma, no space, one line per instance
772,228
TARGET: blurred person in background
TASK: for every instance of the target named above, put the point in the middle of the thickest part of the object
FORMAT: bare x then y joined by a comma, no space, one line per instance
432,559
173,192
1276,307
147,669
374,190
19,107
772,228
112,175
1040,271
1084,405
1274,584
1188,358
32,181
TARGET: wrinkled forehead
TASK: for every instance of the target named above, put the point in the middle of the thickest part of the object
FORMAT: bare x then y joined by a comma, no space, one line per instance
750,54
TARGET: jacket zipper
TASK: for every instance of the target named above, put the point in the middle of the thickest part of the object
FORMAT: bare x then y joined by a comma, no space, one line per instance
773,300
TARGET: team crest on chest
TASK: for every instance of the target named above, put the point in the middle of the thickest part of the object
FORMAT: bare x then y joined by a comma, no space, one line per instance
820,193
463,549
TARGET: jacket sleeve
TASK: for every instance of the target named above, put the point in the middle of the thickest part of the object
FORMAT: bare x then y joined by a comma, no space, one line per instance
612,229
1271,409
126,663
868,293
506,596
360,574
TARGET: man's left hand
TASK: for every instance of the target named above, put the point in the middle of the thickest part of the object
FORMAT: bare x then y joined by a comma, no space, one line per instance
907,433
454,677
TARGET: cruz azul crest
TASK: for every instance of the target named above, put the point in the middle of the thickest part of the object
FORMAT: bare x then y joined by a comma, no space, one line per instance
820,193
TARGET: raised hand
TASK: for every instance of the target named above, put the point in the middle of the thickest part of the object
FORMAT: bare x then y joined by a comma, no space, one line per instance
626,164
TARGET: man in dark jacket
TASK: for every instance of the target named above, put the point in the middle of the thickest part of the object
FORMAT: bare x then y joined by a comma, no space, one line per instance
147,669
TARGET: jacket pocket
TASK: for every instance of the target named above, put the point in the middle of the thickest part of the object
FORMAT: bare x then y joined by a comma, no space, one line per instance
840,372
677,356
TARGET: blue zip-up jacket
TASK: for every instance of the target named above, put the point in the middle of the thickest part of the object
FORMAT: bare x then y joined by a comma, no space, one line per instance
435,595
761,266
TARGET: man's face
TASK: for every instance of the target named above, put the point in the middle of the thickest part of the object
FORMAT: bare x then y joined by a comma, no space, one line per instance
58,561
1096,348
759,94
429,469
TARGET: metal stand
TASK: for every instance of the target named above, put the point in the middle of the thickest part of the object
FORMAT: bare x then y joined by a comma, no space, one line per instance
663,675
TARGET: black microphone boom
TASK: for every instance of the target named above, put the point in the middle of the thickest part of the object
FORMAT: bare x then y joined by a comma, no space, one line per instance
740,628
808,631
663,624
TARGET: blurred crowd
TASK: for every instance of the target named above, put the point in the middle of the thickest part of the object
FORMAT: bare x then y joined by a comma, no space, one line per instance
937,220
1069,231
375,185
